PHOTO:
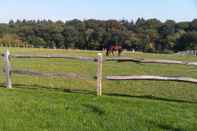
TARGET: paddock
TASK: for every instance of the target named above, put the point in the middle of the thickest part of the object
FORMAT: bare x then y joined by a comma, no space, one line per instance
65,88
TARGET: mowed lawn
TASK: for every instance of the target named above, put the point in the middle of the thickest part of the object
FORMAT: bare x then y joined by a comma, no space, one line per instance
59,104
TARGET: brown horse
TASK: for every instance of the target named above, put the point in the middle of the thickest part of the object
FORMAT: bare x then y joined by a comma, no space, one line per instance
114,48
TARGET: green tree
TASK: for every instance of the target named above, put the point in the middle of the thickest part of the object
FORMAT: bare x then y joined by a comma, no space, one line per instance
193,25
71,37
188,41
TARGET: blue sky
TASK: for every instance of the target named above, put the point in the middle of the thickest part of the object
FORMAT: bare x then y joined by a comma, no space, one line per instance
179,10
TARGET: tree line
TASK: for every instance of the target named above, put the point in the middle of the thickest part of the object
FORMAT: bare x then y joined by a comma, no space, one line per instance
149,35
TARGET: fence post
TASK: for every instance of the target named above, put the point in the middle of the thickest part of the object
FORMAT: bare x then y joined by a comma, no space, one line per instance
7,69
99,74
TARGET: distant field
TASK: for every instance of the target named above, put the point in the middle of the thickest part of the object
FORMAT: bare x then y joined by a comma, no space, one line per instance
40,103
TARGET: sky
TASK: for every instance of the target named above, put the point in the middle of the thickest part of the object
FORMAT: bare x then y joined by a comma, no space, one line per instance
178,10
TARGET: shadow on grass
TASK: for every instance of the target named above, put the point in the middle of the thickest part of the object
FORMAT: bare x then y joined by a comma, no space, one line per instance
166,126
89,92
152,98
60,89
95,109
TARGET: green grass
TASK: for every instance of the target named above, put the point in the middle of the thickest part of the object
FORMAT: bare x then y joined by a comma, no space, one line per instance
40,103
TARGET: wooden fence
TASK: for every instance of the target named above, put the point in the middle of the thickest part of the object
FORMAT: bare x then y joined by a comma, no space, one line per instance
188,52
99,76
8,71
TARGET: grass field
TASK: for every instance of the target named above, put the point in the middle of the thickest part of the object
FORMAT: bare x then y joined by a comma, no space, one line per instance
55,104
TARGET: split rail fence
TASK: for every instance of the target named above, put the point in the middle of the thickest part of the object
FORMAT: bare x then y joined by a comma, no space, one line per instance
99,76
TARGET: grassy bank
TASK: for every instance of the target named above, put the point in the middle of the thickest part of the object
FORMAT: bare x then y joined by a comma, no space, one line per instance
40,103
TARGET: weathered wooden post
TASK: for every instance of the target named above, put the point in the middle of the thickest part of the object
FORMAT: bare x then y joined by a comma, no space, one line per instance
99,74
7,69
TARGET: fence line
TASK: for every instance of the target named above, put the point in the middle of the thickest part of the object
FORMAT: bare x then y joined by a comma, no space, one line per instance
99,59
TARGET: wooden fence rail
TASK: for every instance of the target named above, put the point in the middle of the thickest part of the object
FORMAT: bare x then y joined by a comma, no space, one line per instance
161,78
126,59
188,52
82,58
42,74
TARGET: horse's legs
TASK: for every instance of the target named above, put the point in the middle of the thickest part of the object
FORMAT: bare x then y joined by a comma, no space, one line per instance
119,51
112,52
107,52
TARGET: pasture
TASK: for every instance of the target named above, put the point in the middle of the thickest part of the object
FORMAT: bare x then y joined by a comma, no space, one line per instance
42,103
